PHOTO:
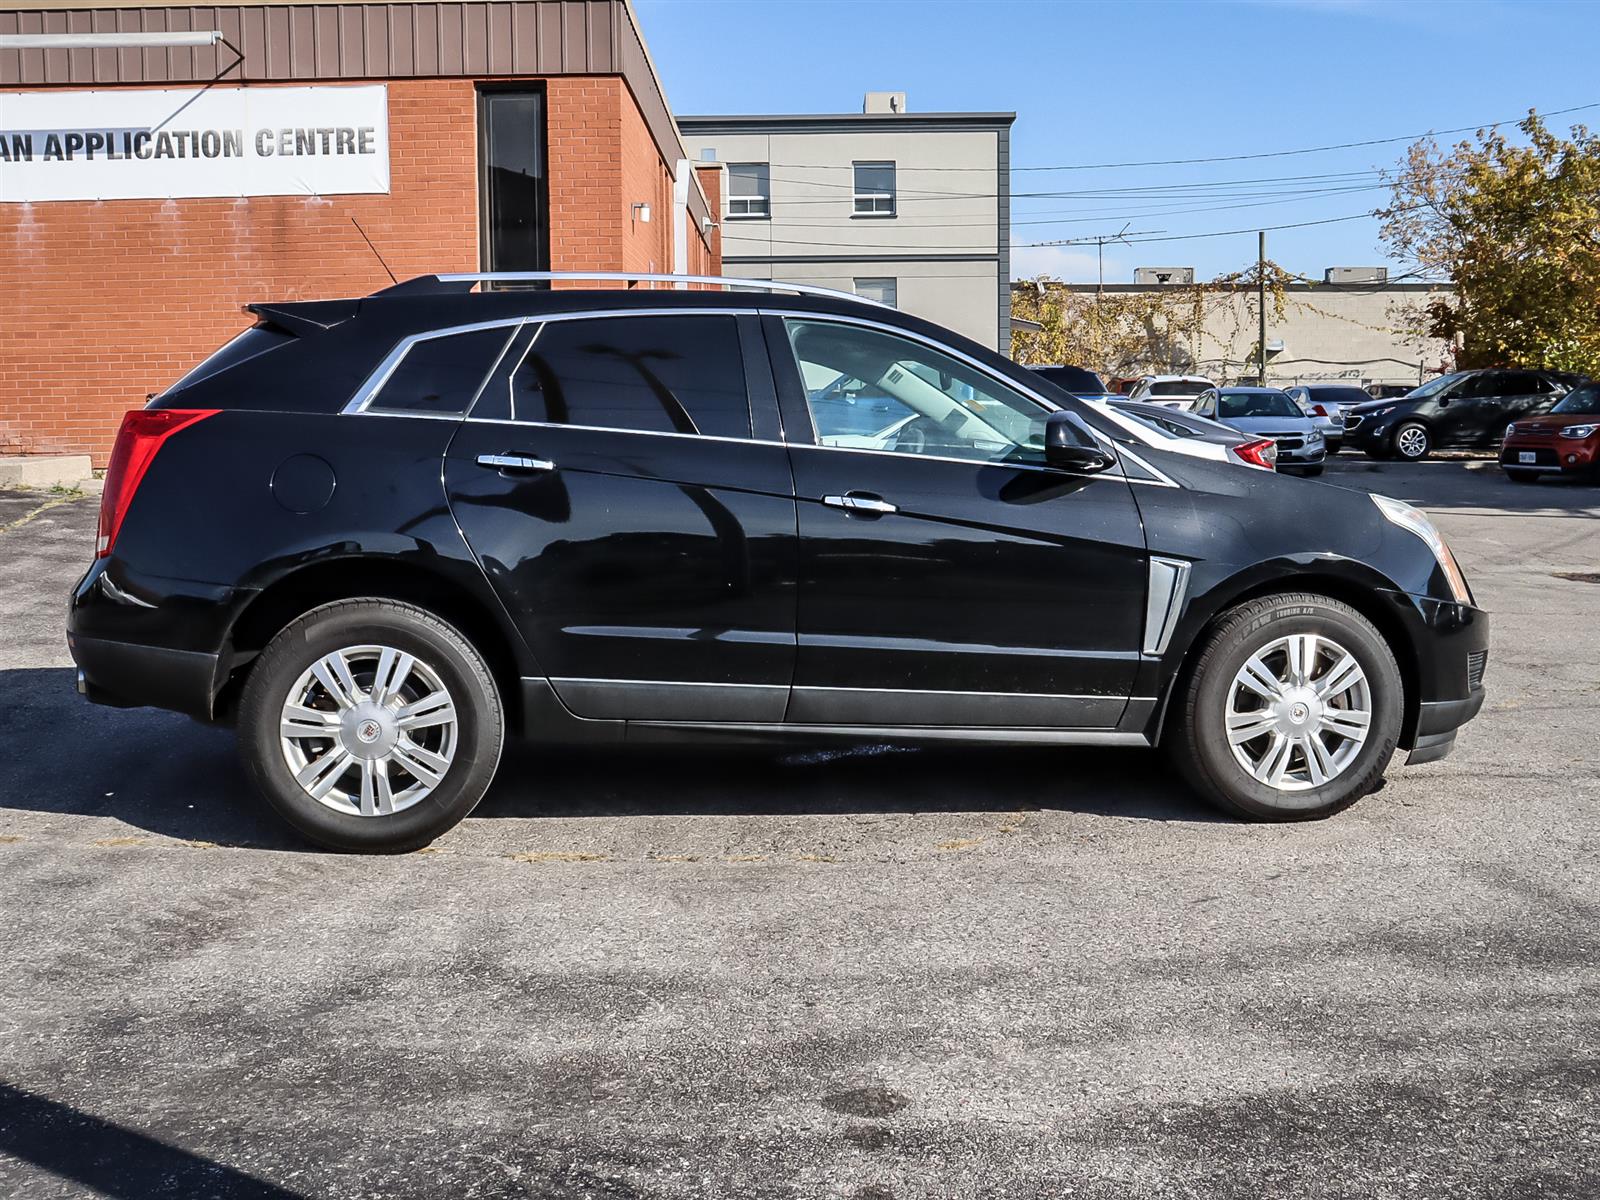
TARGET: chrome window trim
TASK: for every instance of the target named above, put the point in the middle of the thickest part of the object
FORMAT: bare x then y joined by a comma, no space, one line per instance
361,401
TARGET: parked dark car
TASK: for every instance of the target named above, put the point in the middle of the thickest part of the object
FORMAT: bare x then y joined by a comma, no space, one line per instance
1464,410
1078,381
381,535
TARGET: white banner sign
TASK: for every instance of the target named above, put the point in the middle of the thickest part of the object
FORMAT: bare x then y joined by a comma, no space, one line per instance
130,145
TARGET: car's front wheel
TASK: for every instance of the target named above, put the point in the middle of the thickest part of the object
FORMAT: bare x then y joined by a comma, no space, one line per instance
1291,710
371,725
1412,442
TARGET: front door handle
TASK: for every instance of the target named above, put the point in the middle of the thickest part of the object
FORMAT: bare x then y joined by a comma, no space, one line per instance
515,462
860,502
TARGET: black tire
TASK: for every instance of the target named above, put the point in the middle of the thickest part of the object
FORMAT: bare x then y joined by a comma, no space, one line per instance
1406,431
1196,737
441,650
1517,476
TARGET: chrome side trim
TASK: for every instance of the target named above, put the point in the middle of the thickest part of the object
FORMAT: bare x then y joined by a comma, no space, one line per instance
1169,584
641,730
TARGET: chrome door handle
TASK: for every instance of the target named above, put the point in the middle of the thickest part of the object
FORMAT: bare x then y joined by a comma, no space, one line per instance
515,462
856,502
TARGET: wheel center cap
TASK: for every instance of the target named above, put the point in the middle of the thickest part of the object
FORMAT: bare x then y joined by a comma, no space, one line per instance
1299,711
1297,714
368,730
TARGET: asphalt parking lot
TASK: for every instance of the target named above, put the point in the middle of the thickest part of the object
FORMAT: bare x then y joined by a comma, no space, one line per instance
875,974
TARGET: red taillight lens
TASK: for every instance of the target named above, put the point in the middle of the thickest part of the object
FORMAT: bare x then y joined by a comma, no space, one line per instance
1263,453
1318,411
143,430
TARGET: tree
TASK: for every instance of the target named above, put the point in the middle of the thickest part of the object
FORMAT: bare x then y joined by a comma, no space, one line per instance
1517,227
1159,331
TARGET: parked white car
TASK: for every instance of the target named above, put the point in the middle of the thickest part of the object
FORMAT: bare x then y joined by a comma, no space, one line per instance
1170,391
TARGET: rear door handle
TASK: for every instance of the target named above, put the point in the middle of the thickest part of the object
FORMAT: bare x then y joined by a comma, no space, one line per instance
515,462
860,502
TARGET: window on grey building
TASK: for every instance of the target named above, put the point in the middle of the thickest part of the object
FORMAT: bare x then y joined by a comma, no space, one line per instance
875,190
879,288
748,194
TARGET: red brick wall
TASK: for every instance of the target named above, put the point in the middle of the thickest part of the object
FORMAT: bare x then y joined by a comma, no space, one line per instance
104,302
705,253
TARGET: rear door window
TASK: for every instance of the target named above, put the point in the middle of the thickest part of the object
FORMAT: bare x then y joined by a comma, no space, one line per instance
439,375
646,374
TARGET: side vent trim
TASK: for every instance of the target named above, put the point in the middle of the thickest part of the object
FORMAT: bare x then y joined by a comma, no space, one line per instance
1169,585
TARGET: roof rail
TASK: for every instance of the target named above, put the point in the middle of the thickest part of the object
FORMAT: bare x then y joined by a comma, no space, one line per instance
448,282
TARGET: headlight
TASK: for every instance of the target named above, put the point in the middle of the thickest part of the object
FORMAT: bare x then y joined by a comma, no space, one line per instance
1579,431
1408,518
1314,436
1511,428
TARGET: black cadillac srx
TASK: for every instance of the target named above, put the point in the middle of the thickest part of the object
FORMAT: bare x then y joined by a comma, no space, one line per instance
380,535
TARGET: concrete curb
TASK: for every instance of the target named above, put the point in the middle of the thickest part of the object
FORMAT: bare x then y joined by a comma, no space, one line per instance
45,470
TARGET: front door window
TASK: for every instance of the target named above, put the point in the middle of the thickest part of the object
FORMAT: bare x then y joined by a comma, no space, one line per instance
869,390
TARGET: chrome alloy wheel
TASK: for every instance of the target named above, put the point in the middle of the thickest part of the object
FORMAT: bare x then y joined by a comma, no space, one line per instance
368,730
1298,712
1412,442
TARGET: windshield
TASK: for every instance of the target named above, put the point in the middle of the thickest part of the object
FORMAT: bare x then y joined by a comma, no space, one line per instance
1585,399
1434,386
1073,379
1176,387
1337,395
1256,404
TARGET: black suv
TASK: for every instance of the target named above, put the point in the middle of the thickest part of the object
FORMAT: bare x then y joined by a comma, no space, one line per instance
382,534
1467,410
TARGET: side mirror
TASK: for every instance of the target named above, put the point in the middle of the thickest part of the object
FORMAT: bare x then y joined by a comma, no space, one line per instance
1065,448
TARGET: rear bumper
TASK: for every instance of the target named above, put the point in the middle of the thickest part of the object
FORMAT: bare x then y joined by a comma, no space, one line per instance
125,675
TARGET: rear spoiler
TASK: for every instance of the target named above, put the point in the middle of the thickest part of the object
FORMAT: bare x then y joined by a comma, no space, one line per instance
306,317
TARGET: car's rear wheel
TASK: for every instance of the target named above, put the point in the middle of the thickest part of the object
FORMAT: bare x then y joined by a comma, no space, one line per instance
371,725
1291,711
1412,442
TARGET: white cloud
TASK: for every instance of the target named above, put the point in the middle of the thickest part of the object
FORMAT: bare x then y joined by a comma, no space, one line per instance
1073,264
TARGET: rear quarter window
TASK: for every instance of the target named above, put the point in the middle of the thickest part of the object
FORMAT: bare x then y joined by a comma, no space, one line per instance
439,376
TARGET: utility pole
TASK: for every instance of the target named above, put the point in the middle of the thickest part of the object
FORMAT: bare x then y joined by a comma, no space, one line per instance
1261,300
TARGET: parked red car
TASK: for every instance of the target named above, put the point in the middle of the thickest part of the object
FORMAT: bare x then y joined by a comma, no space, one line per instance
1565,440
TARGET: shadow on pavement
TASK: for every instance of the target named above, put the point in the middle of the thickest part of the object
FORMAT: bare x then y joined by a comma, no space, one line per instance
114,1160
1438,483
171,776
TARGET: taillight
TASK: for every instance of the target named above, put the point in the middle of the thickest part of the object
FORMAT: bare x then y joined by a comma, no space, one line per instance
143,430
1263,453
1318,411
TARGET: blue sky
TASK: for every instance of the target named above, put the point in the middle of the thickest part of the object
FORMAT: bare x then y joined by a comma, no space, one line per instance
1116,82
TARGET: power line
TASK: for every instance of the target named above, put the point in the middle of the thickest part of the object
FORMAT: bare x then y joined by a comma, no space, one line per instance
1188,237
1217,158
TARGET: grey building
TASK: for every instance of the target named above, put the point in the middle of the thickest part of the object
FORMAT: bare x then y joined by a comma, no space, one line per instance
913,209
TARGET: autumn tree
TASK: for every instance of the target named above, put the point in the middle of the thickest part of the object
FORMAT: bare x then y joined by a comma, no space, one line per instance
1158,331
1517,227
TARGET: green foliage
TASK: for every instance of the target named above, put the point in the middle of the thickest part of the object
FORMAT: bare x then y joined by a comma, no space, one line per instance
1517,227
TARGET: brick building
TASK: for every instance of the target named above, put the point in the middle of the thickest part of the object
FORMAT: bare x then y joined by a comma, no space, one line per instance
161,165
